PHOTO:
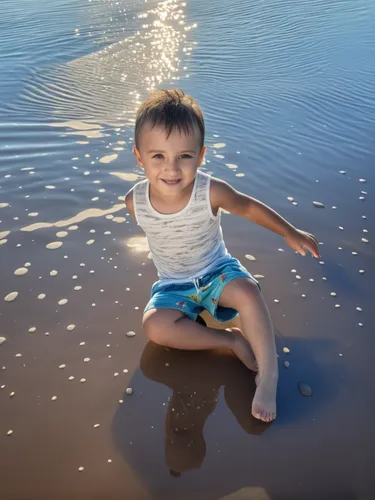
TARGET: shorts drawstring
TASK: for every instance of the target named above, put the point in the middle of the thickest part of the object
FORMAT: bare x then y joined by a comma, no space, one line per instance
196,283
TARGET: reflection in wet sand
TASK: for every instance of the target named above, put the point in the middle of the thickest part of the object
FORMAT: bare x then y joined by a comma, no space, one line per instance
108,158
138,244
85,214
127,176
194,398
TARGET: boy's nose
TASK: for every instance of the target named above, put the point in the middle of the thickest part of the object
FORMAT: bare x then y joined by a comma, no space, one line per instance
172,166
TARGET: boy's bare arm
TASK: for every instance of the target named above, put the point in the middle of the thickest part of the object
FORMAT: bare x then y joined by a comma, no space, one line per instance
225,196
129,202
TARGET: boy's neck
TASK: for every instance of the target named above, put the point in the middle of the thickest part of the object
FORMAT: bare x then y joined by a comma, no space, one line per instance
170,204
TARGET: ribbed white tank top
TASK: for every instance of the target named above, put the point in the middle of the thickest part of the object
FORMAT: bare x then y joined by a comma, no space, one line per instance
186,244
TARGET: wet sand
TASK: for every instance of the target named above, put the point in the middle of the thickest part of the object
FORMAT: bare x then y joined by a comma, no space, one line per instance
186,430
88,412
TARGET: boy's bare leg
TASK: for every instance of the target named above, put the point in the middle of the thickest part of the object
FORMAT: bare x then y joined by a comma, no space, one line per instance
172,328
243,295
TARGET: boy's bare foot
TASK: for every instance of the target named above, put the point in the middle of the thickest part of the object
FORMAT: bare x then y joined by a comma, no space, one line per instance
241,348
264,402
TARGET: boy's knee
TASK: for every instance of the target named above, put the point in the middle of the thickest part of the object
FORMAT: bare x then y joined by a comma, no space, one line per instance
157,322
238,292
151,324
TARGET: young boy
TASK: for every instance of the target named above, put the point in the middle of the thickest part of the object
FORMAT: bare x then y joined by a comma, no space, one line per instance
178,207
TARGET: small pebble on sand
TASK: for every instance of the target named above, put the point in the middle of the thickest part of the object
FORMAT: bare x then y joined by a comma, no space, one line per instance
130,334
129,391
70,327
41,296
62,302
96,426
62,366
54,245
286,364
86,360
53,272
337,306
362,180
2,340
286,350
81,469
250,257
53,398
358,309
83,380
304,389
333,294
11,296
318,204
21,271
9,433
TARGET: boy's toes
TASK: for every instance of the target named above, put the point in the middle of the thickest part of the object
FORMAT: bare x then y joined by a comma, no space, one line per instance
265,416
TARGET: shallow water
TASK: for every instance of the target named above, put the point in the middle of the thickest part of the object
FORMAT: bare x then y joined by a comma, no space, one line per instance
287,91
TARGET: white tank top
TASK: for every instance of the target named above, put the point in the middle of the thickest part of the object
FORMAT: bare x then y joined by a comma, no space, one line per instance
186,244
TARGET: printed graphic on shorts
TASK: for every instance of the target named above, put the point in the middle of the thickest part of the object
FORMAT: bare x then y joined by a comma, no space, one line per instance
194,297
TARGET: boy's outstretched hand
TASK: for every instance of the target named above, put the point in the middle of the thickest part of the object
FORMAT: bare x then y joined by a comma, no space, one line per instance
300,241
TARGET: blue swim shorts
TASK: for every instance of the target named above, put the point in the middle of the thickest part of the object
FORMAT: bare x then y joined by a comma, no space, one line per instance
192,298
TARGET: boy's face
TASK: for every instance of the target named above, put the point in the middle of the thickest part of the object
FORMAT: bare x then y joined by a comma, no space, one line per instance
170,164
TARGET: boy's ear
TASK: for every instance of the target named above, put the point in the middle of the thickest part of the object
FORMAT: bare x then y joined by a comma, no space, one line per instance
201,155
137,156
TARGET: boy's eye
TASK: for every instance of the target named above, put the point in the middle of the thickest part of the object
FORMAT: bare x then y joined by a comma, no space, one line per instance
158,156
186,156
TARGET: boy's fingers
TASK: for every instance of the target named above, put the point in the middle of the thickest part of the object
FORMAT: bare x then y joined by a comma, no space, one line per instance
313,248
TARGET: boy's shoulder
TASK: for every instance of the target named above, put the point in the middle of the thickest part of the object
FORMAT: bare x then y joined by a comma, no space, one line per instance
219,190
223,195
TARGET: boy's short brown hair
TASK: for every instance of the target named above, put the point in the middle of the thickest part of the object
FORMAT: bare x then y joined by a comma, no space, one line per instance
170,109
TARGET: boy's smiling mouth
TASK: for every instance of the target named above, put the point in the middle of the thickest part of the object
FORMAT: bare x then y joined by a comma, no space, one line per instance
171,182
